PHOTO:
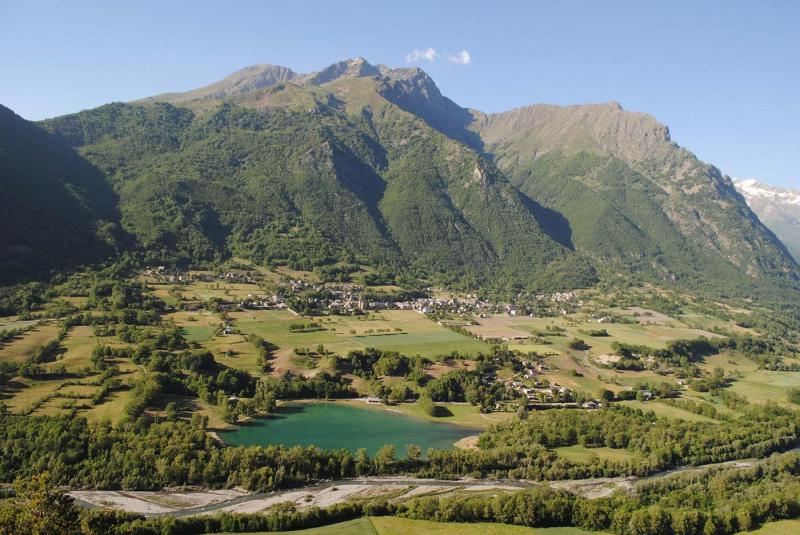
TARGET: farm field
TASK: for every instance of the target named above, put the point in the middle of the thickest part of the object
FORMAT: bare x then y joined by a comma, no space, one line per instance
416,335
235,351
12,322
655,336
197,326
21,394
221,290
781,527
24,394
21,347
762,386
79,344
702,321
667,411
389,525
758,386
580,453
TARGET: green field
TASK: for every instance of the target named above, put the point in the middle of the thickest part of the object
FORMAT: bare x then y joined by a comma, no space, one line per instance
655,336
21,347
235,351
668,411
782,527
761,386
580,453
460,413
197,326
389,525
405,331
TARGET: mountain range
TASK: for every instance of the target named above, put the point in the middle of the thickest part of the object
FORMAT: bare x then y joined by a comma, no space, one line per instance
778,208
365,164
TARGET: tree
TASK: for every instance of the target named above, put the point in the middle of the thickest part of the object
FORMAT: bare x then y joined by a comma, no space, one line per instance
229,410
385,457
171,411
578,345
606,395
362,462
427,405
42,508
413,452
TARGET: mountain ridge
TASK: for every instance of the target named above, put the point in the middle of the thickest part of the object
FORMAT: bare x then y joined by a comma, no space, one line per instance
267,159
778,208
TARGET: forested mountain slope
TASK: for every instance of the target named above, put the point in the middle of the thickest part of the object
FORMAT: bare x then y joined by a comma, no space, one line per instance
56,209
632,197
366,164
306,175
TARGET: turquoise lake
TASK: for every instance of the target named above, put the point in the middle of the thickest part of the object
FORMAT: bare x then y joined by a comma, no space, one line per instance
337,426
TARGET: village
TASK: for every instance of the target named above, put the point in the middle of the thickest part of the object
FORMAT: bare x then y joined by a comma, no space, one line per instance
349,298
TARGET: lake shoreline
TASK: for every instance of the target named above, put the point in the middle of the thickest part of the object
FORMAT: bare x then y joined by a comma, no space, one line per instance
344,424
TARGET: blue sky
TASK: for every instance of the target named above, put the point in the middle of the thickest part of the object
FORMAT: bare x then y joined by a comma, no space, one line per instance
724,75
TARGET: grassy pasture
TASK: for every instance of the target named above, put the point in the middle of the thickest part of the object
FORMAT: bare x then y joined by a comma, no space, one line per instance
21,347
758,386
417,335
655,336
197,326
762,386
12,322
390,525
111,409
702,321
781,527
79,343
235,351
668,411
580,453
220,290
459,413
22,393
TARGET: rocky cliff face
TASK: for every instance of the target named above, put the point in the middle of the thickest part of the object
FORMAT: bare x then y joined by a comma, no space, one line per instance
778,208
699,202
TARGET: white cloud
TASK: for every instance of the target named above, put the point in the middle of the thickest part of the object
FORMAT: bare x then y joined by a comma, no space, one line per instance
415,55
430,54
462,58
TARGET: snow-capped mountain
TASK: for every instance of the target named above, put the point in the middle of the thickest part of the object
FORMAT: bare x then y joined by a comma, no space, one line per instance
778,209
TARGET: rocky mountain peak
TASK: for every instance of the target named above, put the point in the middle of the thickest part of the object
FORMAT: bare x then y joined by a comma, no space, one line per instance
752,189
349,68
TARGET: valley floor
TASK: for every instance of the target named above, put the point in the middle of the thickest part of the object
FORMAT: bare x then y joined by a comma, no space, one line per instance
325,494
